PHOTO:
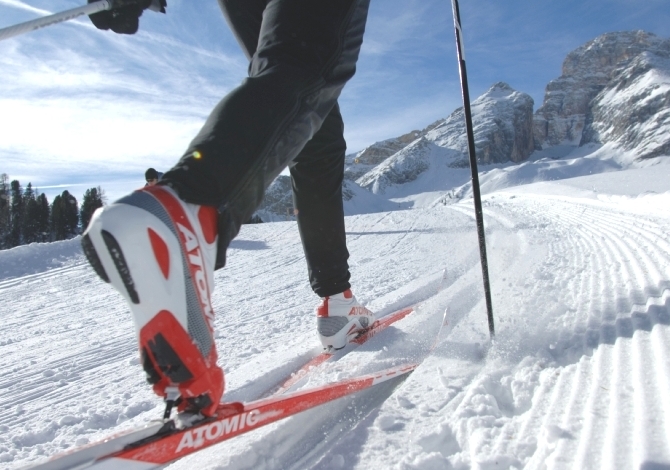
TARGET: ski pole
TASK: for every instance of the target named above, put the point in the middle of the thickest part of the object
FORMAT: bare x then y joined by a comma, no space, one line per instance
66,15
479,214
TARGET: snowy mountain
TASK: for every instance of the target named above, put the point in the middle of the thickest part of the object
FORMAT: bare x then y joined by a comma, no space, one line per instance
614,91
622,75
633,110
360,163
402,167
277,203
502,119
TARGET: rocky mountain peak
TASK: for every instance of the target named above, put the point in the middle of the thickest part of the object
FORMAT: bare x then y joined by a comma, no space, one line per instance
503,124
633,109
597,58
586,72
499,88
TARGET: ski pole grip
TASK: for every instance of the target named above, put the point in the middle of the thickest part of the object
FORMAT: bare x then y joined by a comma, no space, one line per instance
32,25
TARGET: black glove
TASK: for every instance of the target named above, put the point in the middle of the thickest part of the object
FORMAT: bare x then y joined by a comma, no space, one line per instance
124,17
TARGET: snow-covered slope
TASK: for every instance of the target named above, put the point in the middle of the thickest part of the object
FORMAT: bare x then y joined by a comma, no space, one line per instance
405,166
361,162
416,175
577,377
557,163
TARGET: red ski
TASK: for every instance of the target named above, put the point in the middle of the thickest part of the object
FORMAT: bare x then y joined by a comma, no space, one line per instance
162,442
316,361
158,444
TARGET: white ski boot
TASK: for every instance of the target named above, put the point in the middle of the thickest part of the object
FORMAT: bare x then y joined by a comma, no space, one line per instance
340,318
159,253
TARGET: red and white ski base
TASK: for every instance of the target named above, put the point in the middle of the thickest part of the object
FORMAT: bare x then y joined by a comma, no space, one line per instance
160,443
378,326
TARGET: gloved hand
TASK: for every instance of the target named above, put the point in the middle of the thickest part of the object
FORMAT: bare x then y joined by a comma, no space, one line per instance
124,17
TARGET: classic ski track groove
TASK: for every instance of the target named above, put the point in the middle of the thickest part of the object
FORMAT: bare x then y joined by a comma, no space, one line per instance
624,320
637,248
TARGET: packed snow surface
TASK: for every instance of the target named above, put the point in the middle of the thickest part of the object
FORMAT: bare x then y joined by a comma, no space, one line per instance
577,377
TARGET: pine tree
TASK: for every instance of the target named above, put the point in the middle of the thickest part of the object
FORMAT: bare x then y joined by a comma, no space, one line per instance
30,216
58,229
4,210
93,198
64,216
16,212
71,214
43,218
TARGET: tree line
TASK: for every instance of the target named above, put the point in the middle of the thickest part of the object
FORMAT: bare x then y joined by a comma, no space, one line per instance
27,217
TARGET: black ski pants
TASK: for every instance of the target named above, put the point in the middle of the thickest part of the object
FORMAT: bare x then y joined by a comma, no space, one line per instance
285,113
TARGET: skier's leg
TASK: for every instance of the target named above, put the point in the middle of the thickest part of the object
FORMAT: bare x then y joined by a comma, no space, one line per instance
244,17
316,172
306,53
317,175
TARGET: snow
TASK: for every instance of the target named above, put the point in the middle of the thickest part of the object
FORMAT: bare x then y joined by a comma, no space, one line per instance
577,377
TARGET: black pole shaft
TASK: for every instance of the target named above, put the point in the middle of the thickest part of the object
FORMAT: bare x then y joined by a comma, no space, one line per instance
479,214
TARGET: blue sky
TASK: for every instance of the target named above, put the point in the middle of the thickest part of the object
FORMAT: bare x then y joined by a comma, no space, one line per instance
81,107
